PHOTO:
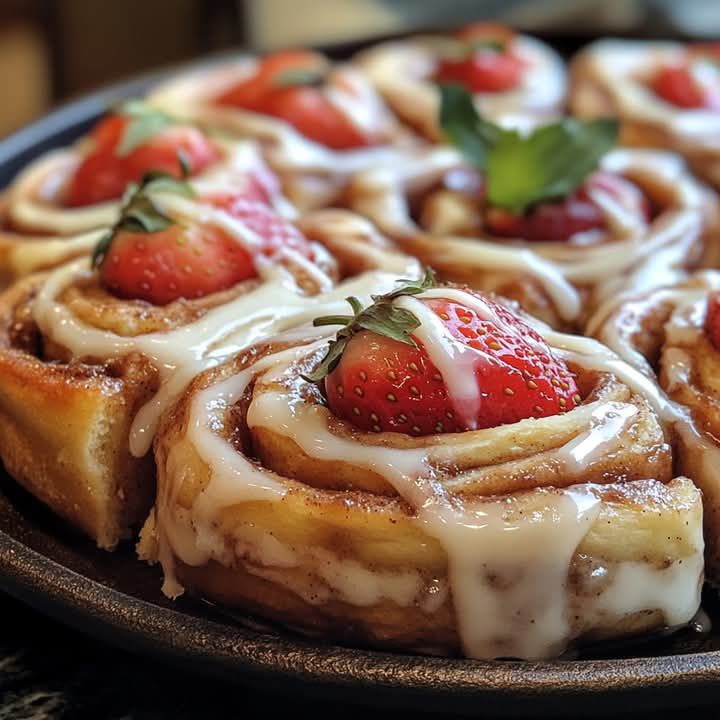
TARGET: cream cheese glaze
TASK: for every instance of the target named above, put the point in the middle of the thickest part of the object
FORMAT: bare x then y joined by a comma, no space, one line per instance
402,70
485,541
636,256
182,353
621,69
34,200
313,174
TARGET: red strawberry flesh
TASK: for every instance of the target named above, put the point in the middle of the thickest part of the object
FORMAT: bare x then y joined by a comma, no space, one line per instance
381,384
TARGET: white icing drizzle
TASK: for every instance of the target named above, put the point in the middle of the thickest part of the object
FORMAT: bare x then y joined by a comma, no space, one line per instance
508,573
620,68
454,360
32,201
401,71
192,96
182,353
636,256
29,254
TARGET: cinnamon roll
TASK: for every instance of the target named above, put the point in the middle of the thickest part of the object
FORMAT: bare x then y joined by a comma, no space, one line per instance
55,209
441,477
90,355
514,79
666,94
318,123
73,190
635,219
672,334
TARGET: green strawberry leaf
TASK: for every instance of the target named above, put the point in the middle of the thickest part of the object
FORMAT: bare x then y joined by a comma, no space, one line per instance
382,318
485,44
101,249
312,77
522,170
144,122
139,213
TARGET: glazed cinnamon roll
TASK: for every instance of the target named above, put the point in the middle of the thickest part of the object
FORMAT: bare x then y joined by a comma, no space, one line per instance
666,94
77,189
439,477
54,209
557,219
672,334
90,355
514,79
318,123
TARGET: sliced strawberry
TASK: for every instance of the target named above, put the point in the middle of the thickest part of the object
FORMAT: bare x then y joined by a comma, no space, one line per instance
179,262
560,221
712,319
677,85
104,173
380,383
302,102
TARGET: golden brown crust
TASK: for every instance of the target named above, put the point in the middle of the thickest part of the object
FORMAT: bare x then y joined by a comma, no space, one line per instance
662,335
64,430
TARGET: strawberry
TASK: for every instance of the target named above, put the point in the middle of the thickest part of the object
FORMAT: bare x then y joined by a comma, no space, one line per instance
379,377
179,262
292,86
126,147
275,231
559,221
681,86
484,61
712,319
148,256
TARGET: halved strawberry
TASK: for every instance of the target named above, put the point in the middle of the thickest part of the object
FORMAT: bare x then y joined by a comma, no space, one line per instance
712,319
291,86
148,256
681,84
106,171
179,262
380,376
559,221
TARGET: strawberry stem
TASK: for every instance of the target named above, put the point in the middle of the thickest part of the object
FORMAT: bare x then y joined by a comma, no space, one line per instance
381,317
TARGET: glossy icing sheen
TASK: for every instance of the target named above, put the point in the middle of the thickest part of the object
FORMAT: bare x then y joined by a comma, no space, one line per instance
484,540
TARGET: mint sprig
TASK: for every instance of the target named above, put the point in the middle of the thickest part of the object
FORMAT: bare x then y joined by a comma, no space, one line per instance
139,214
523,170
382,318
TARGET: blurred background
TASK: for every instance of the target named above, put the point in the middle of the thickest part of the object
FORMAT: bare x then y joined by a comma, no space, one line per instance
52,50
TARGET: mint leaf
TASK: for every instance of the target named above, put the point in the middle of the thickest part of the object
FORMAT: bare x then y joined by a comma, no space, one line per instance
144,122
463,127
521,170
548,164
